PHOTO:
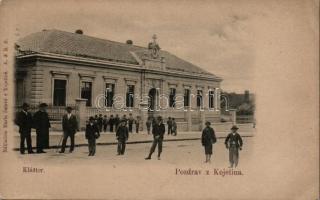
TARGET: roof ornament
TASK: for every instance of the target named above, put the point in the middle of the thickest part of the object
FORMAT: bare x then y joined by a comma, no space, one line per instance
154,47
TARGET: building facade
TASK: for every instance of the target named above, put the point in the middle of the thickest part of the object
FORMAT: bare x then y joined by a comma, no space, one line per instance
62,68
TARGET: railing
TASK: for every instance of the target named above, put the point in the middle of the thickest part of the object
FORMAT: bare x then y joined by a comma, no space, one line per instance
55,112
244,119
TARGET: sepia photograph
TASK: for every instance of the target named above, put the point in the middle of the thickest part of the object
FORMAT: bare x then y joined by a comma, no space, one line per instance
159,99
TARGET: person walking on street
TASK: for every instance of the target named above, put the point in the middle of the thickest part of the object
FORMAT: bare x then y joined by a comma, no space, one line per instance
24,121
169,123
174,127
92,133
158,130
207,139
122,137
69,127
42,124
234,143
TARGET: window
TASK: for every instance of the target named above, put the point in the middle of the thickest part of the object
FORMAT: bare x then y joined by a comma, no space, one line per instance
130,96
186,97
199,98
172,97
211,98
59,92
86,92
109,94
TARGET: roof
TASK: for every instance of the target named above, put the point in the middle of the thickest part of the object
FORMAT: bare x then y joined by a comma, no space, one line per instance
66,43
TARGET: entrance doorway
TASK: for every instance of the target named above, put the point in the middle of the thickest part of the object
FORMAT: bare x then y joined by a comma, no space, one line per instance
153,99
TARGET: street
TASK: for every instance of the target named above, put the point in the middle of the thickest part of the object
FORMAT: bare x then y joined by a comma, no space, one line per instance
186,152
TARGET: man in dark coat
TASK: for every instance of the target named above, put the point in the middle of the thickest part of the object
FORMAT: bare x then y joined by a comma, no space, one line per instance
233,142
116,121
42,124
207,139
69,127
148,124
158,130
130,122
122,136
100,122
111,123
92,133
24,121
105,123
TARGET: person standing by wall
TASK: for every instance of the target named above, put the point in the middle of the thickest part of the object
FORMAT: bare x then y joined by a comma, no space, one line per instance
105,123
148,124
130,122
92,133
100,122
137,122
207,139
116,121
158,131
169,123
122,137
42,124
24,121
234,143
111,123
70,127
174,127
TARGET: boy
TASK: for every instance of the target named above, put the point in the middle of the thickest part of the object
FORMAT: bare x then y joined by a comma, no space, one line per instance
233,142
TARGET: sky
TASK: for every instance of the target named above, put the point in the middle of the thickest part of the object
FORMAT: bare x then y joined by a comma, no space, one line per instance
214,35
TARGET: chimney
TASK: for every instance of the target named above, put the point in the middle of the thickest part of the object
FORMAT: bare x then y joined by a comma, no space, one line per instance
129,42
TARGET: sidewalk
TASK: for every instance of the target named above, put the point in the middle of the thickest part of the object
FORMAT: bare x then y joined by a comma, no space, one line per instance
110,139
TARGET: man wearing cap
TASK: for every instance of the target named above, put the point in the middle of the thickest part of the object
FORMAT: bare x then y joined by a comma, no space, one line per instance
122,136
207,139
92,133
70,127
233,142
42,124
158,130
24,121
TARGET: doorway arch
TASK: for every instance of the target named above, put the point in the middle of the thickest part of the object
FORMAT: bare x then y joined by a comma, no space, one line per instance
153,100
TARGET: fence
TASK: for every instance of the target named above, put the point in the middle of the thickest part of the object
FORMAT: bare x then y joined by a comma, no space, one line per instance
244,119
55,112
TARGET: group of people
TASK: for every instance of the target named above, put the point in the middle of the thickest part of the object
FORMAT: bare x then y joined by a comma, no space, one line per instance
103,122
233,143
171,123
40,121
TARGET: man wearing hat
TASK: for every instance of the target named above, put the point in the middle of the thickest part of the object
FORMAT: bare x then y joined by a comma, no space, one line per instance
92,133
24,121
158,130
70,127
233,142
122,135
207,139
42,124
